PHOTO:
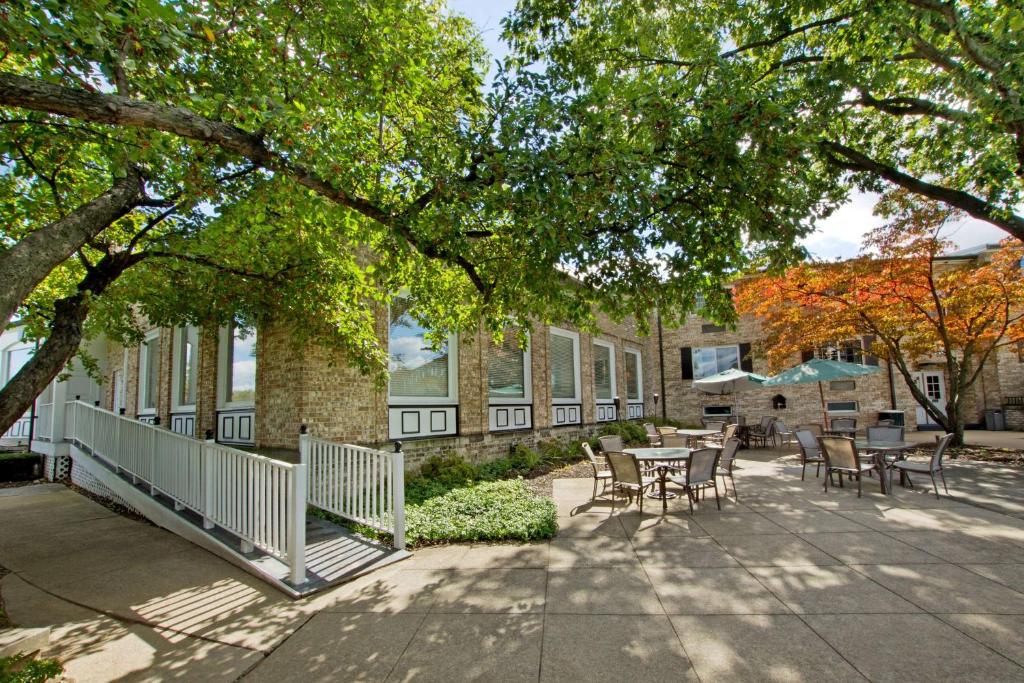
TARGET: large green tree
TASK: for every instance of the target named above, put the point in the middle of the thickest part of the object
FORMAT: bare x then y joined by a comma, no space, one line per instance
556,194
924,95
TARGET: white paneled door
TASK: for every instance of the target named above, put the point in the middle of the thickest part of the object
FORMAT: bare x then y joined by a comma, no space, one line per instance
933,384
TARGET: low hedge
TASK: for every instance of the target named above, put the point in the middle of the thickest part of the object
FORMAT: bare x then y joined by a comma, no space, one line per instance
487,511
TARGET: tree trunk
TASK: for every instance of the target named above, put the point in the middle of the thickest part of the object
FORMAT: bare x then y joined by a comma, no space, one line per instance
62,342
28,262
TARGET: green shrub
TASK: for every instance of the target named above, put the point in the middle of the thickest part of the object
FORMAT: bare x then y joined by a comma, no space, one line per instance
556,453
419,489
25,668
502,468
489,511
448,468
524,459
632,434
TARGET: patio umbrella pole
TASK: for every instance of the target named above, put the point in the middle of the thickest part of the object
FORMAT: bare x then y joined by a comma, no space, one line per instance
824,413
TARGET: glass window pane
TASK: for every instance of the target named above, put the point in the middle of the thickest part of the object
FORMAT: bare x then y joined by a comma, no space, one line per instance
188,365
728,357
417,371
632,376
242,365
16,359
563,367
704,362
151,358
506,372
602,372
711,360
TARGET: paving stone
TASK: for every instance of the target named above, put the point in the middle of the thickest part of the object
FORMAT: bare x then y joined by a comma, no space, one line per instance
659,526
492,591
407,590
473,647
682,551
784,550
868,547
759,648
590,524
340,647
1011,575
712,591
910,647
612,647
1003,633
731,524
505,556
829,590
592,551
946,588
813,521
961,547
601,590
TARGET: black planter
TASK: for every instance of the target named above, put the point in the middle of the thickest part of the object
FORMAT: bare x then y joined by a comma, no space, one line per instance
24,468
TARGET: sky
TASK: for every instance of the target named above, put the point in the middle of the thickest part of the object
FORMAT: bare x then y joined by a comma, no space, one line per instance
838,236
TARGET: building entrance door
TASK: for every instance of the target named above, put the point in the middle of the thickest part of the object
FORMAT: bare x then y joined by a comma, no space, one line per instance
933,384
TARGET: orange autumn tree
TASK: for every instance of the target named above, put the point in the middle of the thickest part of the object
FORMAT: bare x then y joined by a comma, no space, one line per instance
915,305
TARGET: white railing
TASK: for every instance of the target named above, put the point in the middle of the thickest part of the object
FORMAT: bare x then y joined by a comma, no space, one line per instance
20,429
361,484
44,421
260,500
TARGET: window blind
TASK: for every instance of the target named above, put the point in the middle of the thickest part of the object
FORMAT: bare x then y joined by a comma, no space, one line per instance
188,359
562,357
506,375
151,356
602,372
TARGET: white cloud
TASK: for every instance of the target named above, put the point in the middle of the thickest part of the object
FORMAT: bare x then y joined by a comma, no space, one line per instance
839,236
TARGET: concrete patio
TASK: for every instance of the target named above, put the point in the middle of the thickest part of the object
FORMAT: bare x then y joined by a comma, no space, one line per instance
788,584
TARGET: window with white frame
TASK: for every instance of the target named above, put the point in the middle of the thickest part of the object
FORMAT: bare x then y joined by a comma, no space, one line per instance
149,372
848,351
604,371
240,375
840,407
419,372
15,358
564,358
186,366
634,375
710,360
508,372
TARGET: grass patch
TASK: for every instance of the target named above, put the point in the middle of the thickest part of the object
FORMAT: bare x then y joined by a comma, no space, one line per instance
25,668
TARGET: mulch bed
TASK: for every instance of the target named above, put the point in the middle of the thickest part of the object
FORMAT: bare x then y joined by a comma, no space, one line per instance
542,484
1003,456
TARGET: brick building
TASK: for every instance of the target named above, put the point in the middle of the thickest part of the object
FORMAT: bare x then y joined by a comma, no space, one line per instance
256,387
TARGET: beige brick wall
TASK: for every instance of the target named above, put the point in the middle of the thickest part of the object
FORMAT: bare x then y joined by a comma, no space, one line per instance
313,385
803,402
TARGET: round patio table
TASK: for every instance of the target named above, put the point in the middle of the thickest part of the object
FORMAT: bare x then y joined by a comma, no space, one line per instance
660,456
880,449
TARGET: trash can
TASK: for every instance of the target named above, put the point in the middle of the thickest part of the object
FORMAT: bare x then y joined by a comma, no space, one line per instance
897,417
995,420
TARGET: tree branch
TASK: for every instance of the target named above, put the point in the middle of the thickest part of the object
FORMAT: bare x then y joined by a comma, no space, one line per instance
851,160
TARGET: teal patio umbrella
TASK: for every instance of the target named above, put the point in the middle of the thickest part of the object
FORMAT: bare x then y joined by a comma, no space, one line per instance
728,381
820,370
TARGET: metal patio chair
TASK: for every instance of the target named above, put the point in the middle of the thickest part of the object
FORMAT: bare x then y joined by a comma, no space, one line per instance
840,453
602,473
810,452
933,465
627,477
701,474
726,462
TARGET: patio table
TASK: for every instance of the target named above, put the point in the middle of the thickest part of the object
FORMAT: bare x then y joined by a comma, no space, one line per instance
692,434
661,456
880,449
